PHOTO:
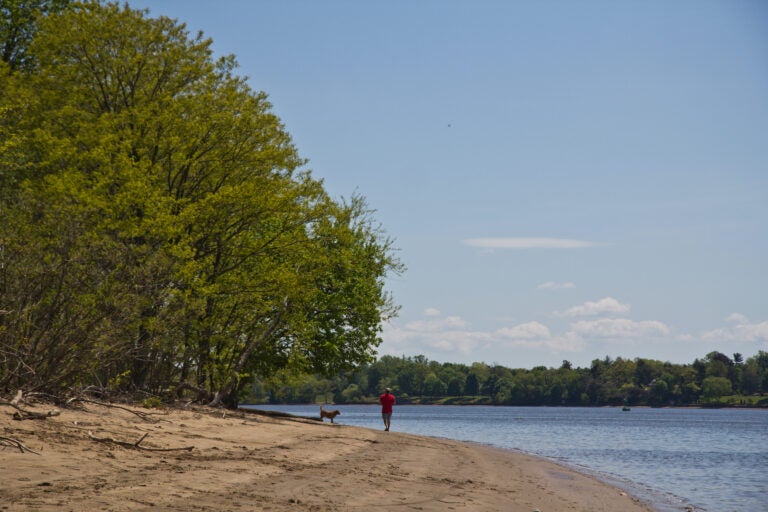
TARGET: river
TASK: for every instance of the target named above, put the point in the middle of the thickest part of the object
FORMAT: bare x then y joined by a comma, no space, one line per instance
713,460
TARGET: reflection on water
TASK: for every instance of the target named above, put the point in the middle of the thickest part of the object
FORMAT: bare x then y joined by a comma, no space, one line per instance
714,460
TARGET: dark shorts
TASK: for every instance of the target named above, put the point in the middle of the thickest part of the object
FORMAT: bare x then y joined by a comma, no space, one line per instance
386,415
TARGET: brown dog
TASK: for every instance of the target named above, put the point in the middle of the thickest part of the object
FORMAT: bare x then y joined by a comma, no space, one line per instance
328,414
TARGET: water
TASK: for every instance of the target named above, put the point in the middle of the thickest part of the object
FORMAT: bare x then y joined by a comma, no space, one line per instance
713,460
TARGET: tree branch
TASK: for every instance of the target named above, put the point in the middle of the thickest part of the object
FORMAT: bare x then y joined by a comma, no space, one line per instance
136,445
9,441
143,415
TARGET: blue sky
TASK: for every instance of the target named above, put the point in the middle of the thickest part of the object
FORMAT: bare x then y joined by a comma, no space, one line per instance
563,179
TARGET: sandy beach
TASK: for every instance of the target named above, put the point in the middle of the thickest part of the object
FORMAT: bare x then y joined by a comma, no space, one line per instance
100,458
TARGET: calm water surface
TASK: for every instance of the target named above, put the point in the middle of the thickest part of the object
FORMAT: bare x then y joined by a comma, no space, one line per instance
713,460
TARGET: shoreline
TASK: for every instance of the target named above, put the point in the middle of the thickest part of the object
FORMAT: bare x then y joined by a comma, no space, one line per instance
118,459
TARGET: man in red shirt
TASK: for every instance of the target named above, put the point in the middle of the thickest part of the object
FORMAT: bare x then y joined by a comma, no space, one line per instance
387,400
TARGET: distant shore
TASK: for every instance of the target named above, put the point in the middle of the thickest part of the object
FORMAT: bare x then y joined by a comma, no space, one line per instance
470,401
120,459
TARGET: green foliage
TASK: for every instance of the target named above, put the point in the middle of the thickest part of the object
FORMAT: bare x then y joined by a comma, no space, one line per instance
119,381
352,394
715,387
157,229
152,402
18,25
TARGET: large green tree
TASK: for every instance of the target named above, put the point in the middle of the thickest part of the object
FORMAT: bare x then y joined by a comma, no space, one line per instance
160,231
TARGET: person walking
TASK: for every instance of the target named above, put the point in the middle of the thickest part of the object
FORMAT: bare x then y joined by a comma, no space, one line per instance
387,400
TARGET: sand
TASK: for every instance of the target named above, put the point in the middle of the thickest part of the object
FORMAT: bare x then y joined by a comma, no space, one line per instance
98,458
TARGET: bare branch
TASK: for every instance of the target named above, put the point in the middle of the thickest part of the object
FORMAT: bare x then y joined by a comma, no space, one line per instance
143,415
136,445
9,441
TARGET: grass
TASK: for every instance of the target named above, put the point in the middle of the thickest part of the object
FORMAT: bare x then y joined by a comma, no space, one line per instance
738,401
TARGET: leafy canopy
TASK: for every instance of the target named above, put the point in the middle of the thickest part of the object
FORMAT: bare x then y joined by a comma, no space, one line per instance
159,231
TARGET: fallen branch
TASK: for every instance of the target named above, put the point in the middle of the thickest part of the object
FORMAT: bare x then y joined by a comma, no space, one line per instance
9,441
24,414
136,445
143,415
278,414
21,414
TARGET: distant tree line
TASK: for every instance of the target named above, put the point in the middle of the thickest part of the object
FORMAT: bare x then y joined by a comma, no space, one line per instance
706,381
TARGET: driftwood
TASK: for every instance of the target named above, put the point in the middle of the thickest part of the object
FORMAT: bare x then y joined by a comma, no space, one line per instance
9,441
136,445
278,414
143,415
24,414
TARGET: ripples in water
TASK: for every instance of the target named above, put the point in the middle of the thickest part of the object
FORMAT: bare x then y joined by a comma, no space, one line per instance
713,460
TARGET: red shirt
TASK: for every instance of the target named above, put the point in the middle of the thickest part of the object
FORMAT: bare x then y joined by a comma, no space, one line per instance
387,400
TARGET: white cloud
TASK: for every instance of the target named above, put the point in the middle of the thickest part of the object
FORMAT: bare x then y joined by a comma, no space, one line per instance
528,243
451,334
737,318
535,335
527,331
607,305
569,342
551,285
464,342
454,338
742,331
437,324
447,334
620,328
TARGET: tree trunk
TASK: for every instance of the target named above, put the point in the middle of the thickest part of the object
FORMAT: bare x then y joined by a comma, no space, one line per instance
226,394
